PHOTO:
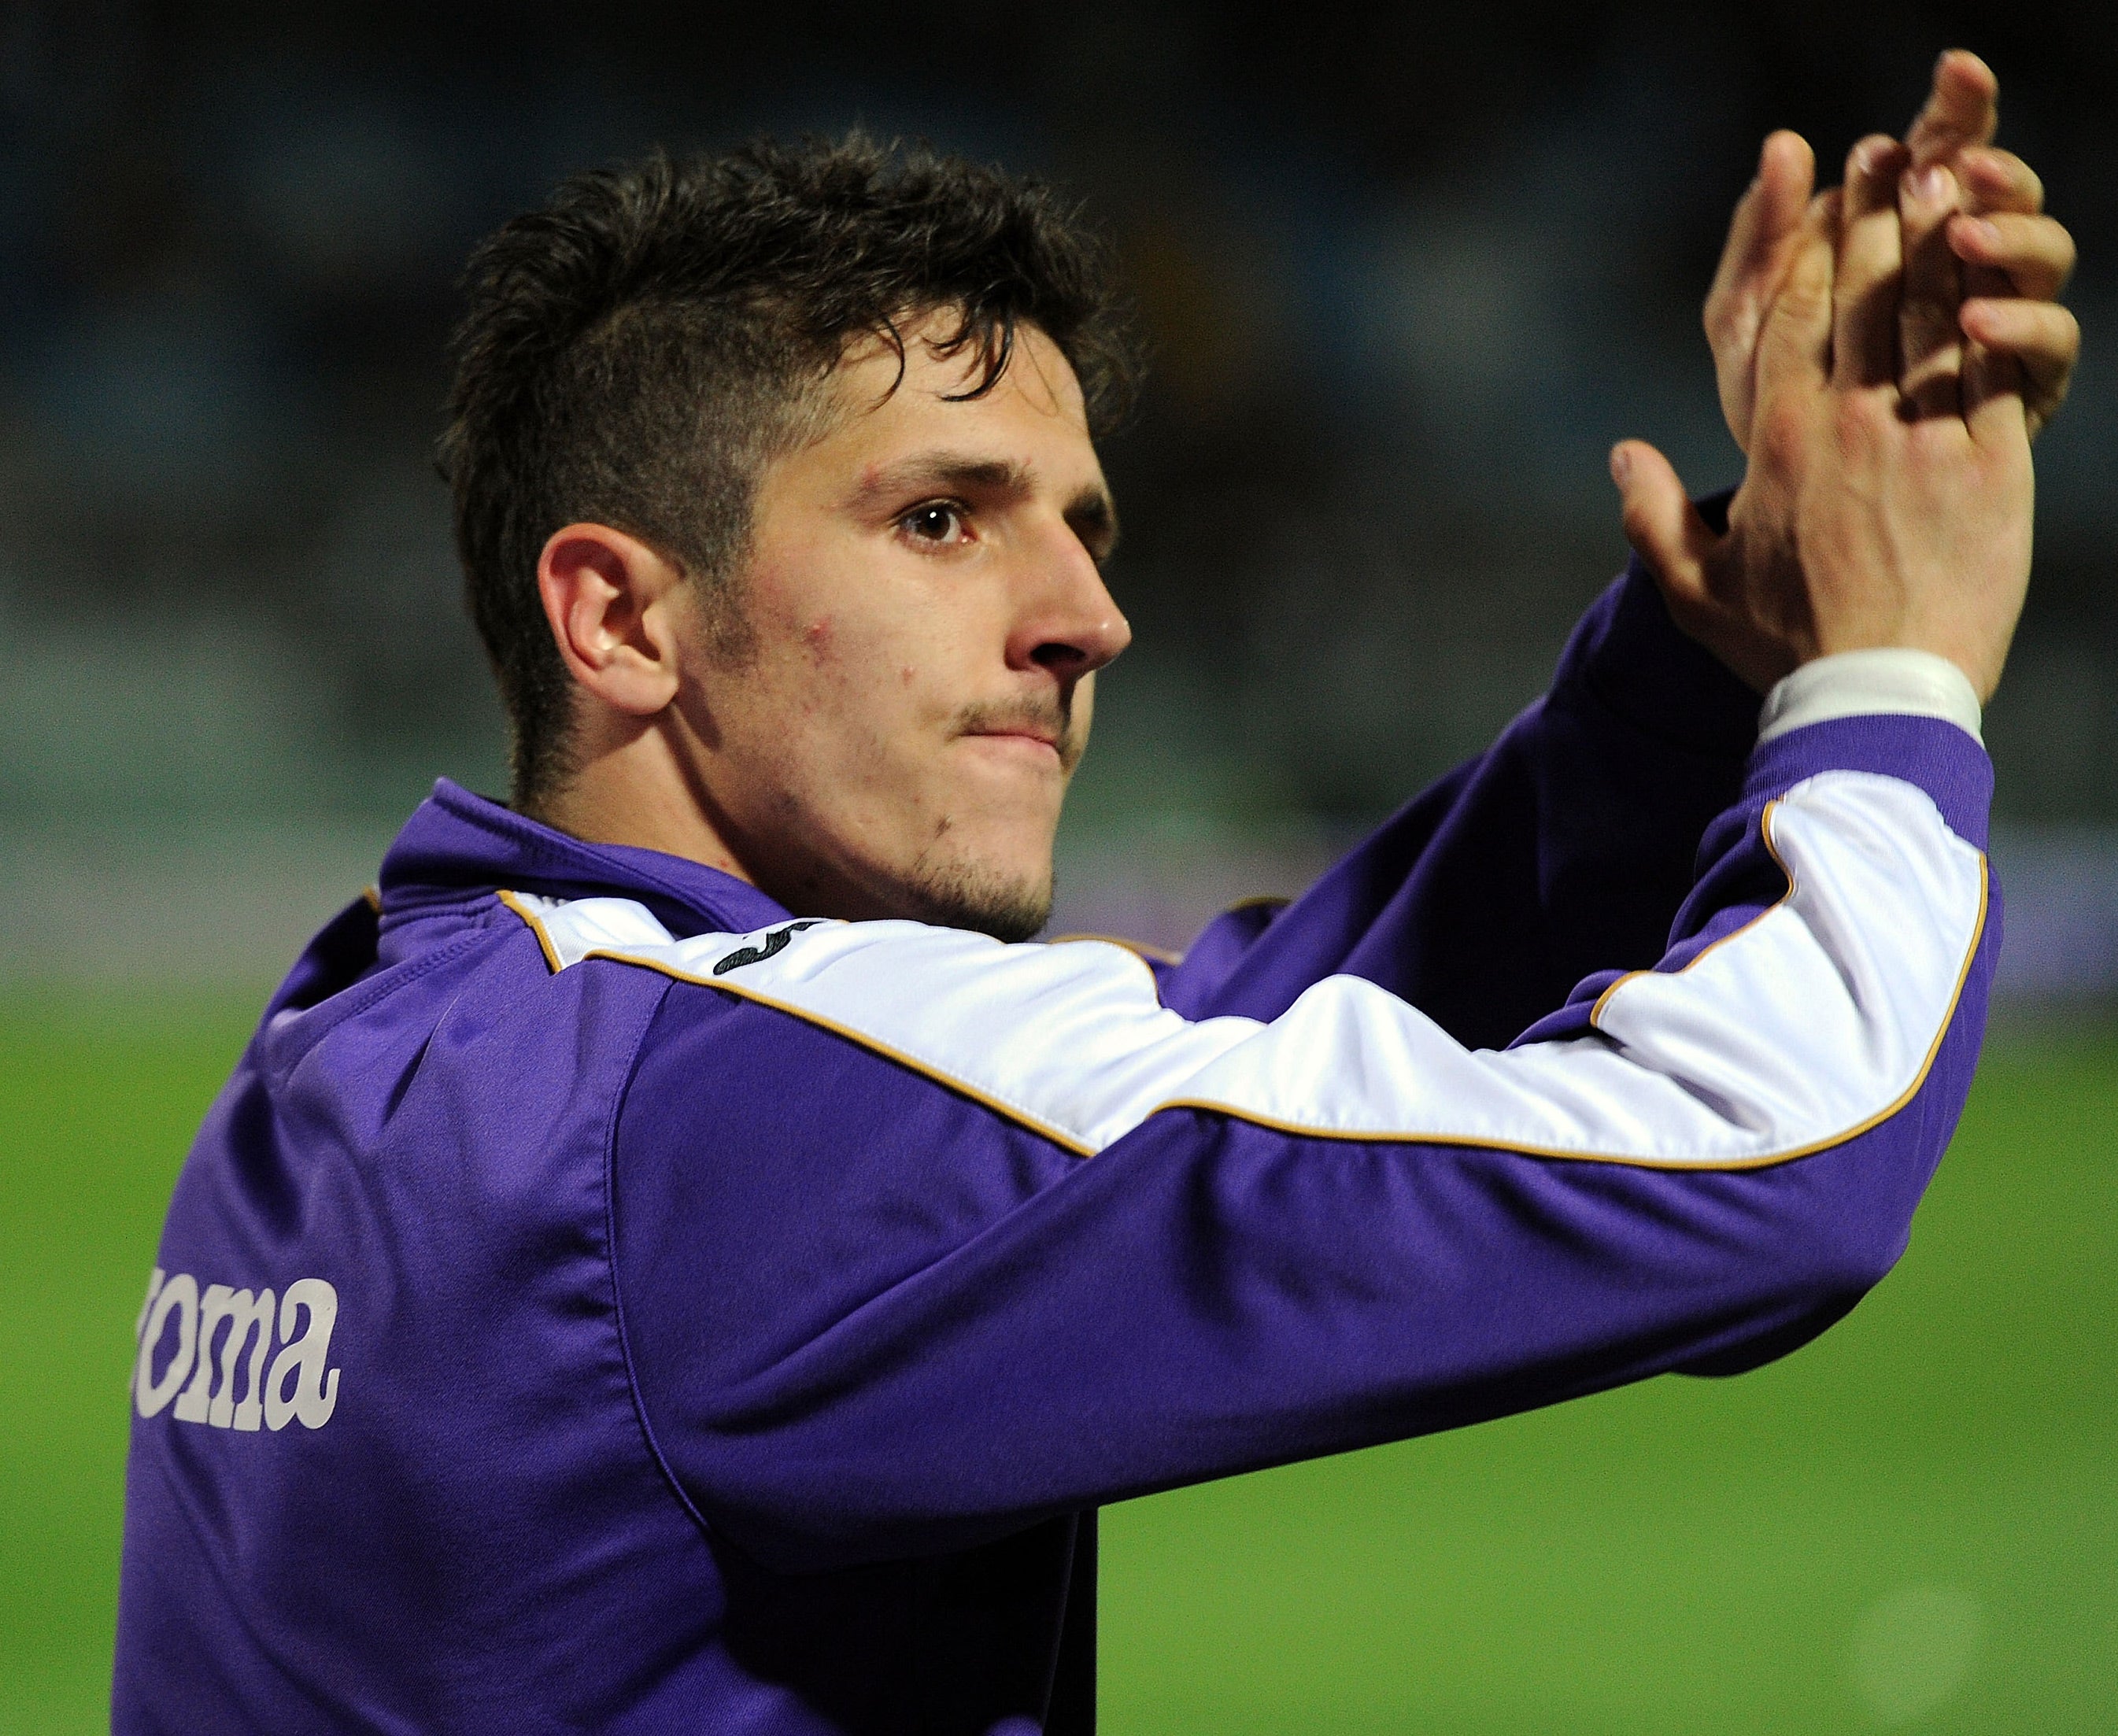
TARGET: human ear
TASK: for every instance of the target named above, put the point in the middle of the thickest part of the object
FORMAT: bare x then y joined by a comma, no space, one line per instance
611,601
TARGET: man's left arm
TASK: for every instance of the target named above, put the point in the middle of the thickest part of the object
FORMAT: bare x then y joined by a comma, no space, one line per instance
1569,843
888,1315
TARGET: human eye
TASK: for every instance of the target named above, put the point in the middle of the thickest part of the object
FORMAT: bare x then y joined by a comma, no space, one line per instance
935,524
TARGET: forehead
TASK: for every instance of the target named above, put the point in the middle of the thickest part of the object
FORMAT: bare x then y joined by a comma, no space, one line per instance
877,397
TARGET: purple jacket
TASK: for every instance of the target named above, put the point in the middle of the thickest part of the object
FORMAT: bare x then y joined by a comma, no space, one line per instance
600,1301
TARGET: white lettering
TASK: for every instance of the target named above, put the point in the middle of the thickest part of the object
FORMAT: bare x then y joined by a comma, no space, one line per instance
178,1295
213,1309
301,1384
242,1314
154,1283
314,1395
248,1414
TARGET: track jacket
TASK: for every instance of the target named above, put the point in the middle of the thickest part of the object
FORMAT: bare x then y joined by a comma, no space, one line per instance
603,1300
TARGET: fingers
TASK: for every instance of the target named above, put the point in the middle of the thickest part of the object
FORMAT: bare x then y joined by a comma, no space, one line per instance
1955,129
1752,262
2042,334
1663,526
1794,345
1864,332
1962,110
1993,407
1996,180
1929,342
2008,247
2042,338
1767,214
2035,255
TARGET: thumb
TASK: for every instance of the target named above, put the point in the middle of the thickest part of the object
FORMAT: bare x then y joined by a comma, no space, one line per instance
1663,526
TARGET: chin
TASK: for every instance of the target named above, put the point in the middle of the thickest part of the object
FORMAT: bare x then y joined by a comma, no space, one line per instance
1008,902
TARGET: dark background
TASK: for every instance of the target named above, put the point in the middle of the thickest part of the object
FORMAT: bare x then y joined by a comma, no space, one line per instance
1409,271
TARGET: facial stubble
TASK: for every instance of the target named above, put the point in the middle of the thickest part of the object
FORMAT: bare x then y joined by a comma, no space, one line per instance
954,891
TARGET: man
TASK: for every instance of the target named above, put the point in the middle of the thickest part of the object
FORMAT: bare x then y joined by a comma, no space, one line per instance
667,1264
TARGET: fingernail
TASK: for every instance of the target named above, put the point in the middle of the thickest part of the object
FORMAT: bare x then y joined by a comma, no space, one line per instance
1621,465
1933,185
1988,233
1865,155
1876,156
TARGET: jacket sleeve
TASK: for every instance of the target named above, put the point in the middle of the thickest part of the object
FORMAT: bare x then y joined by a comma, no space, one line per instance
1565,848
920,1238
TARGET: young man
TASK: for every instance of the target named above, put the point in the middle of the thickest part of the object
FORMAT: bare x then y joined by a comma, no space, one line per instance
669,1264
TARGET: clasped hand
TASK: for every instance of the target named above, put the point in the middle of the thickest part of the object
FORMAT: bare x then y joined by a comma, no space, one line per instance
1884,358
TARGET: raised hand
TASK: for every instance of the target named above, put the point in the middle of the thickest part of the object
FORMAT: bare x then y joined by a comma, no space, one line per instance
1987,216
1871,514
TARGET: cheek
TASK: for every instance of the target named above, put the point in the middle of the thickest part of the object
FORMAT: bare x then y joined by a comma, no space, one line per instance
854,701
855,691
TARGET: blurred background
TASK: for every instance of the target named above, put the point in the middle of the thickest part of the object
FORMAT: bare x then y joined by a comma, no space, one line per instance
1408,274
1409,271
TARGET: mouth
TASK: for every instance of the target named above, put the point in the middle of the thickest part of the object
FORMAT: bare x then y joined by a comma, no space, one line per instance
1037,732
1040,744
1042,737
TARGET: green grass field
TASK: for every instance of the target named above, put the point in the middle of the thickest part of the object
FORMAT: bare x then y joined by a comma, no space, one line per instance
1913,1524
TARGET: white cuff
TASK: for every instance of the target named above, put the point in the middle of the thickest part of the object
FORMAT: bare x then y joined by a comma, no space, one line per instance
1862,684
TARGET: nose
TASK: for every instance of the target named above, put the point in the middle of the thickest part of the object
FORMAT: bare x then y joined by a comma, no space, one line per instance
1066,621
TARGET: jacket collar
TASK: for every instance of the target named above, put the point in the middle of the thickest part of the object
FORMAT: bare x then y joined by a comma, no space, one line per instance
458,844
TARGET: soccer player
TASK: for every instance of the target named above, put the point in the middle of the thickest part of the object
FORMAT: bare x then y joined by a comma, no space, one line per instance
678,1258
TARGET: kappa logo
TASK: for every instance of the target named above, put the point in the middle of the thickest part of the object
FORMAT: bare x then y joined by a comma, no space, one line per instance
298,1387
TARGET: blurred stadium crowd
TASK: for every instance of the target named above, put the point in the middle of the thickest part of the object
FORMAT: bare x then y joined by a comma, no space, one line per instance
1408,274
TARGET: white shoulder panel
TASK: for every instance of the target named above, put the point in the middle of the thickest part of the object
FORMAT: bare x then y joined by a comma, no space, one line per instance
1815,1020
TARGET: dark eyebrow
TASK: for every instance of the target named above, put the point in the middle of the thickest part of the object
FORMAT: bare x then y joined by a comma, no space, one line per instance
943,470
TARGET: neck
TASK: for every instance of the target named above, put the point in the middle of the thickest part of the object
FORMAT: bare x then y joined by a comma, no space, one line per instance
634,790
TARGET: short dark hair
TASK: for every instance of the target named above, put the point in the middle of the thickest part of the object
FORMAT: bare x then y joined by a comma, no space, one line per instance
633,354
